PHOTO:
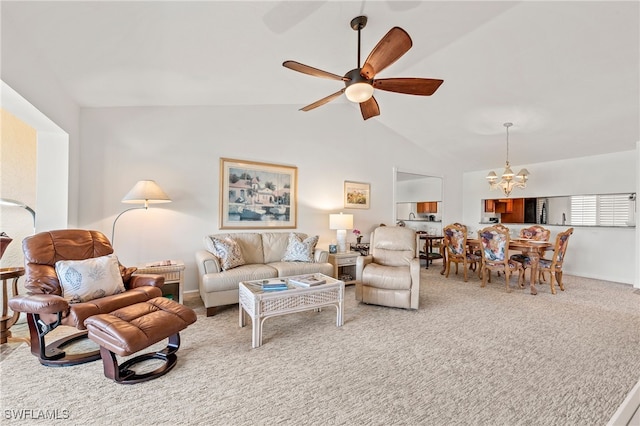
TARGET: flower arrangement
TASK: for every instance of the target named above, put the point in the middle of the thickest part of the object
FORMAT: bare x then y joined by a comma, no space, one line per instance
356,232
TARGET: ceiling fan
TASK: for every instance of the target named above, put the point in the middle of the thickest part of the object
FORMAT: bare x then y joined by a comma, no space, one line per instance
360,83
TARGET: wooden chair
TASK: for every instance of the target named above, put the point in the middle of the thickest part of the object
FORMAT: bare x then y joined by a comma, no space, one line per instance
494,248
535,233
553,266
501,226
455,240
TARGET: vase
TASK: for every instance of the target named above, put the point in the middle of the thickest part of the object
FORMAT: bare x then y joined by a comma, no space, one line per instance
358,240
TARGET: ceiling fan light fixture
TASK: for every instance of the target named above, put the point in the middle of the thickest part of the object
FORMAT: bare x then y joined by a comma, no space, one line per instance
359,92
360,82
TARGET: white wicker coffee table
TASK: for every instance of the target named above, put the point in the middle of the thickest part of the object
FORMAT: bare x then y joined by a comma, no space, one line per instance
260,304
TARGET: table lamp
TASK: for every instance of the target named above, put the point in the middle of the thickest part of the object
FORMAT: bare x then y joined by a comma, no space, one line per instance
144,192
341,222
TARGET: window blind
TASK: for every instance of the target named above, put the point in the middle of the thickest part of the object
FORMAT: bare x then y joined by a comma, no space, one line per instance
603,210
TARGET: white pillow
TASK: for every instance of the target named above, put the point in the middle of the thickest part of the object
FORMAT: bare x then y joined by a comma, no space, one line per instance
84,280
228,251
300,250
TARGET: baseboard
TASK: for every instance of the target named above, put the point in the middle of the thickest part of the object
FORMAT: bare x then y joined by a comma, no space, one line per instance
629,412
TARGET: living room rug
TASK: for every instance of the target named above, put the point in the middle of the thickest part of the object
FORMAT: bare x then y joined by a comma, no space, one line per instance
469,355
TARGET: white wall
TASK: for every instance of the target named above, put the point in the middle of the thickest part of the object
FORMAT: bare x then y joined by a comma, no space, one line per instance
52,163
180,148
33,94
594,252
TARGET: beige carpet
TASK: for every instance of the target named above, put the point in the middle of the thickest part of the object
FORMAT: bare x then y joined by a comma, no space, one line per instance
468,356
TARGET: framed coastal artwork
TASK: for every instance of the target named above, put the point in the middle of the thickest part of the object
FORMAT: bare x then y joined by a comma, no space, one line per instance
257,195
356,195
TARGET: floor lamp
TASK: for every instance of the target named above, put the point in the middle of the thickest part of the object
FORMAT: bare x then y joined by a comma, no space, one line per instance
16,203
144,192
341,222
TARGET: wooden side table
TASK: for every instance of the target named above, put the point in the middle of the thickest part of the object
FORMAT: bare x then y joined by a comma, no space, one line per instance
344,264
7,320
173,278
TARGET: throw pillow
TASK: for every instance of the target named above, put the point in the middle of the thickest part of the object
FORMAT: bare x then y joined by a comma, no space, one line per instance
300,250
228,251
84,280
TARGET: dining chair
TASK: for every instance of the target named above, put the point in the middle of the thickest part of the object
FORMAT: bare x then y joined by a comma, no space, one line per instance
494,248
455,241
501,226
553,266
535,233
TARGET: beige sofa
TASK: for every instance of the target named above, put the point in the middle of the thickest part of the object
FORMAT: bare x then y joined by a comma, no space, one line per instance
263,253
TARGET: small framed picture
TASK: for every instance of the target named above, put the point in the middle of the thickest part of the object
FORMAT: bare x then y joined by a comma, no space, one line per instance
333,248
356,195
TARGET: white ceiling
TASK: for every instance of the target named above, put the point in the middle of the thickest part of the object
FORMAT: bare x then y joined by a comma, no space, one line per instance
565,73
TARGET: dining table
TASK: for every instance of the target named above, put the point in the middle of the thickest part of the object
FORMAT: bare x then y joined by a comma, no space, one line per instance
428,254
533,249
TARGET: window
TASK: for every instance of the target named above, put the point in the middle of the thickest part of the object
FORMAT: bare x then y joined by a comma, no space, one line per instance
603,210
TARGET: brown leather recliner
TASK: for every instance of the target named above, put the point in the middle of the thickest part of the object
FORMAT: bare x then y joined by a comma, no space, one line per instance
44,305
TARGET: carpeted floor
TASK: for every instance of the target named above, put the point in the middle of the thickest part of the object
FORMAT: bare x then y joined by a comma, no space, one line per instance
469,355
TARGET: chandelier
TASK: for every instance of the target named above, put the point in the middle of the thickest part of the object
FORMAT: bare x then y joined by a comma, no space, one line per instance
508,180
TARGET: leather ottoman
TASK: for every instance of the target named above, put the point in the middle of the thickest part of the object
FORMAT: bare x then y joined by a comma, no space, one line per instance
134,328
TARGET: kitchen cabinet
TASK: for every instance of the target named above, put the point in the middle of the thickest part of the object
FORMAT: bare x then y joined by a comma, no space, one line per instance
504,206
427,207
514,212
489,206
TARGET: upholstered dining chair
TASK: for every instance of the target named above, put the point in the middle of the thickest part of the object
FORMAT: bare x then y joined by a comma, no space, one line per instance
494,249
390,274
503,227
535,233
455,240
72,274
553,266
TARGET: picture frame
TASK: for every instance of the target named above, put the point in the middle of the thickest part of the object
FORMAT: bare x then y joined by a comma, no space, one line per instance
357,195
255,195
333,248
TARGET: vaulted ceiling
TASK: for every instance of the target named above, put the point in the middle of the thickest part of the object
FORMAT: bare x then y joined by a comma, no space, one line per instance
565,73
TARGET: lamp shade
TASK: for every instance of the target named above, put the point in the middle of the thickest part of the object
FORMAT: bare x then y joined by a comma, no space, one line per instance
340,221
146,192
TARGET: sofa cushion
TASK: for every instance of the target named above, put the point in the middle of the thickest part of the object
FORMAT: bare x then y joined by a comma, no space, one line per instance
300,250
228,280
250,245
287,269
89,279
275,245
228,251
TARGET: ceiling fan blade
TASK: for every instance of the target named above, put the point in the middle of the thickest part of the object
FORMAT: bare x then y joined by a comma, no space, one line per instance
322,101
306,69
388,50
410,86
369,108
